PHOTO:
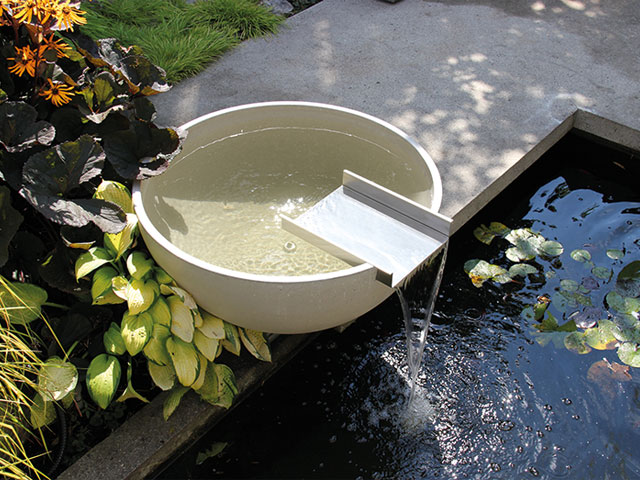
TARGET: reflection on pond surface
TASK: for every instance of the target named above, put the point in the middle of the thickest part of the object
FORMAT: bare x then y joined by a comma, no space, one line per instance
496,397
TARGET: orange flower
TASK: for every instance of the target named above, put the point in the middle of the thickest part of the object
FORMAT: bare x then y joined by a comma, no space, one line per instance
58,93
68,14
56,45
24,61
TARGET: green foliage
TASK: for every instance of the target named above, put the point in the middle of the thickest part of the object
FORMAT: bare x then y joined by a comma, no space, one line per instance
179,37
587,325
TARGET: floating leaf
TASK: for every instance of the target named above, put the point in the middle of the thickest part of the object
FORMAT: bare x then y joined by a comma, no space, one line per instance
608,375
231,341
569,285
526,244
600,338
212,327
219,387
182,324
56,379
487,234
41,413
479,271
544,338
113,342
207,346
164,376
522,270
628,280
155,350
551,248
213,451
21,302
623,304
615,254
103,377
581,255
184,358
550,324
11,220
173,400
51,177
589,284
629,353
136,331
255,343
602,273
587,317
94,258
576,342
139,264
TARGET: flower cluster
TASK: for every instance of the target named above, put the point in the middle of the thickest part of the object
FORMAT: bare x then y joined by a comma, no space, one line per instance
41,19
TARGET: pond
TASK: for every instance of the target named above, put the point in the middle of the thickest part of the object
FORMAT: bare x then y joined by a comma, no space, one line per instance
496,395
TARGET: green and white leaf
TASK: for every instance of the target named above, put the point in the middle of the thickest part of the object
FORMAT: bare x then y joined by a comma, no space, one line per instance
219,386
615,254
551,248
629,353
138,264
522,270
160,311
113,342
119,243
255,343
115,192
21,302
164,376
185,296
136,331
581,255
479,271
103,377
120,287
231,341
94,258
162,277
202,371
182,324
140,295
184,358
173,400
56,379
102,282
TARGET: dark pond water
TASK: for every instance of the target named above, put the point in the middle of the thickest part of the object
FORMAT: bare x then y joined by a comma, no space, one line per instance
491,401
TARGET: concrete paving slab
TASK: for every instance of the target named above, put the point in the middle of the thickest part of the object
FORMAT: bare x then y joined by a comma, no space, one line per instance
478,83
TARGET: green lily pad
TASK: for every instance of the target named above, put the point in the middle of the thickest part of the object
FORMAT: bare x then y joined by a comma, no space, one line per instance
479,271
526,244
622,304
615,254
628,280
487,234
522,270
581,255
551,248
629,353
577,342
602,273
600,338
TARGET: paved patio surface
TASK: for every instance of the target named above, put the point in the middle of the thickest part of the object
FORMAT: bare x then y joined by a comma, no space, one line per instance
485,86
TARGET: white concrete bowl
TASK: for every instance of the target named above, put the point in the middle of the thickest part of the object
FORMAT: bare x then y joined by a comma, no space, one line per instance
289,304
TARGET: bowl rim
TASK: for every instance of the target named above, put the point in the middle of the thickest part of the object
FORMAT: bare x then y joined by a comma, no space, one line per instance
148,226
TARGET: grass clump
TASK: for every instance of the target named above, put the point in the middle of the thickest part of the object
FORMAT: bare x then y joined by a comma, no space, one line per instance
181,38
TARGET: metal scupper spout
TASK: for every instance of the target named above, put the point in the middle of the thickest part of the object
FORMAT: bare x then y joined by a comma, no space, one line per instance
363,222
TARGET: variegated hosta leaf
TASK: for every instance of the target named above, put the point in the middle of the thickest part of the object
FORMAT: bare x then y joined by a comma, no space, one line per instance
101,283
42,413
156,350
103,377
197,318
212,327
130,392
136,331
182,324
173,400
255,342
162,277
219,386
231,341
202,371
113,342
56,379
120,287
140,295
139,264
94,258
164,376
185,360
119,243
185,296
205,345
160,311
115,192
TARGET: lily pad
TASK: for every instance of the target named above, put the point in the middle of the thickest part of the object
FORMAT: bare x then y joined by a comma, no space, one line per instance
629,353
487,234
602,273
581,255
600,338
577,342
526,244
522,270
628,280
587,317
622,304
480,271
615,254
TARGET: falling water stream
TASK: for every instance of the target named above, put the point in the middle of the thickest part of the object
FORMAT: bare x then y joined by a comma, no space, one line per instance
417,327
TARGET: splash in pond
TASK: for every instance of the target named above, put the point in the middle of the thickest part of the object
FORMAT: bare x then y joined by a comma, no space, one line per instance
498,393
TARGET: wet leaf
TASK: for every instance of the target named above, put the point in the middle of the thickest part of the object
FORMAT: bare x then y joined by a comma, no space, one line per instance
479,271
615,254
94,258
155,350
21,302
231,341
487,234
56,379
629,353
551,248
163,376
103,377
182,324
522,270
600,338
184,358
550,324
581,255
51,177
576,342
569,285
136,331
255,343
526,244
113,342
589,284
10,221
173,400
41,413
213,451
544,338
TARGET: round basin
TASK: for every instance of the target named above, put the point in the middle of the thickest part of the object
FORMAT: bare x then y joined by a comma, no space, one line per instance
212,219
